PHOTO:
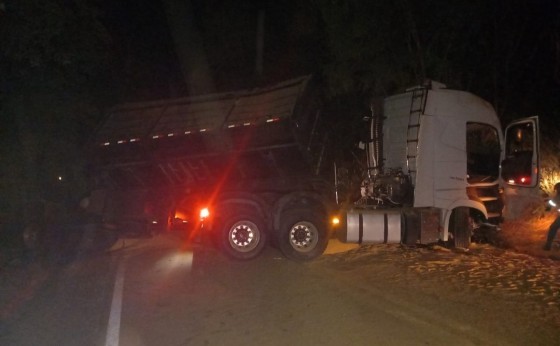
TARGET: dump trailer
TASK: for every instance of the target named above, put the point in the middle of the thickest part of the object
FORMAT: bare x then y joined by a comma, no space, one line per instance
439,167
253,160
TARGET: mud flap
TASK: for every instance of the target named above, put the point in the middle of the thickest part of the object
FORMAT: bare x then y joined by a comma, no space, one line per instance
421,226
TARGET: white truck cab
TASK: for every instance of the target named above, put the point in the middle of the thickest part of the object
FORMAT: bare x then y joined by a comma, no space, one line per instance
439,166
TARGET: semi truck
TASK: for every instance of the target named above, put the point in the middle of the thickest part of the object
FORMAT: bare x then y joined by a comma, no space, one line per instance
259,165
439,167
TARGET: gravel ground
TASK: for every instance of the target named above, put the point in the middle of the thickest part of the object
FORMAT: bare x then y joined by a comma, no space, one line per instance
484,270
514,271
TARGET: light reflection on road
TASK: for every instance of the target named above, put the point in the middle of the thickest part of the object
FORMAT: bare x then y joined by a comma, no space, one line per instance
177,260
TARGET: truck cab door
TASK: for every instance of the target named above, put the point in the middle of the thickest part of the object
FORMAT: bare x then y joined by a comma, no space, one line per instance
519,169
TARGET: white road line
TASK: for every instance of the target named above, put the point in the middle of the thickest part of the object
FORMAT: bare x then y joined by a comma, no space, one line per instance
114,325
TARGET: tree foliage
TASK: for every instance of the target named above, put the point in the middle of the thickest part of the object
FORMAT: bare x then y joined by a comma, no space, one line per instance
57,39
489,47
292,40
53,64
188,46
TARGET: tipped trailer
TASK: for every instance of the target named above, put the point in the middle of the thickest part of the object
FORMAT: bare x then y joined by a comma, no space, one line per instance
253,160
259,164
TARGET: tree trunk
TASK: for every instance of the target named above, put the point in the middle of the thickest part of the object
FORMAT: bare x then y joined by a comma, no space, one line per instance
189,47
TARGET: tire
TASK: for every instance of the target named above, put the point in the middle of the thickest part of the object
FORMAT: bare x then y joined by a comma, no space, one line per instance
460,228
242,236
303,235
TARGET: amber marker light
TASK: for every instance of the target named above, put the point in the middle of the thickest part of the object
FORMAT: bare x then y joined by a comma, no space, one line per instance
335,221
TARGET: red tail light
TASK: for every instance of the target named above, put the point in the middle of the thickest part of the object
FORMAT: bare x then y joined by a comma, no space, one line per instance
521,181
204,213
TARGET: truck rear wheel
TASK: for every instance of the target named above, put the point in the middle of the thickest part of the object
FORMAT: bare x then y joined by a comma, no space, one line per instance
243,235
303,235
460,227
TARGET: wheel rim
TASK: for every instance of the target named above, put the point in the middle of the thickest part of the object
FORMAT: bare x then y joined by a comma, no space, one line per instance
244,236
304,236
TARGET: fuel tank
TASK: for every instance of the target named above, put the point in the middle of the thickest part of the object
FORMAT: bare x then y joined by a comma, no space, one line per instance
372,226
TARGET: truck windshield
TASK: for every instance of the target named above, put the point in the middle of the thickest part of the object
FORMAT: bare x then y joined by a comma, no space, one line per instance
483,153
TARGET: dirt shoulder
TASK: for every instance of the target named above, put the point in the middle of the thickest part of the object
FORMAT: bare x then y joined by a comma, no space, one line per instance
528,235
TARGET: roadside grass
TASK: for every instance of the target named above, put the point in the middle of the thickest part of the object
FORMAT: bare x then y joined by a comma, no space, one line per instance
528,235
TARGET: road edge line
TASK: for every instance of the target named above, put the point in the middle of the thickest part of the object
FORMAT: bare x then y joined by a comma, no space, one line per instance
114,325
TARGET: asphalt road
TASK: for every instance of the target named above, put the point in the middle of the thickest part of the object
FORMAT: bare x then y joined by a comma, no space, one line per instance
161,292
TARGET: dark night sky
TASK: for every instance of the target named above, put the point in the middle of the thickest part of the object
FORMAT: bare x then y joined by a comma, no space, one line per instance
144,46
145,65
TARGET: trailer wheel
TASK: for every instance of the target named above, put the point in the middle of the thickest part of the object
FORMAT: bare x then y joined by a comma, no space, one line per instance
460,227
303,235
243,235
